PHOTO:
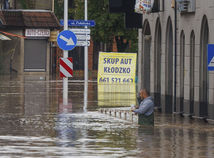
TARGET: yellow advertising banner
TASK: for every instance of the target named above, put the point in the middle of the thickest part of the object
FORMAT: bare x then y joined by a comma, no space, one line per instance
116,79
116,95
116,68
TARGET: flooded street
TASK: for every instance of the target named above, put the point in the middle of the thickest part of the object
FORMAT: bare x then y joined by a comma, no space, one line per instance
35,123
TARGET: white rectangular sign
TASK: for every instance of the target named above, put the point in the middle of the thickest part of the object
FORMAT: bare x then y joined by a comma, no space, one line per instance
83,37
37,33
83,43
81,31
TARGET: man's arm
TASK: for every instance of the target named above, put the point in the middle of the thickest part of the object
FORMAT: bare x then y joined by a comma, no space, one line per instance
139,100
144,107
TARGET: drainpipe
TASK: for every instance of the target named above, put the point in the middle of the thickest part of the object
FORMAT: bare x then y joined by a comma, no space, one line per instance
140,50
175,59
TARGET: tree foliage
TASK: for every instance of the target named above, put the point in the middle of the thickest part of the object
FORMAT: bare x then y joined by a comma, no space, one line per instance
59,9
108,27
24,4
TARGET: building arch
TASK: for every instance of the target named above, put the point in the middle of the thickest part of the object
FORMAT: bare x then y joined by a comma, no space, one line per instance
182,69
157,64
146,55
169,67
204,40
192,72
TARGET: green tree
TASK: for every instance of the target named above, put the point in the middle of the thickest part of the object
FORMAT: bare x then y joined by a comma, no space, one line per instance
59,9
24,4
108,25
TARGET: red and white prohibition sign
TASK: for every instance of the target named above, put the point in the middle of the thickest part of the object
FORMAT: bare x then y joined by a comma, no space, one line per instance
66,67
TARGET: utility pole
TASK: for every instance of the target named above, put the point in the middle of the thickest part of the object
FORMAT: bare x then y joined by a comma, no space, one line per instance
65,55
86,47
86,64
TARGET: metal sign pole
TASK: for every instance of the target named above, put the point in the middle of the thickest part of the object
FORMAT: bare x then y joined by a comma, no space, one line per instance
65,55
86,47
86,64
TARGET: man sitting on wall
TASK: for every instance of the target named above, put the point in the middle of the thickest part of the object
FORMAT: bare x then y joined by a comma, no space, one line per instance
145,110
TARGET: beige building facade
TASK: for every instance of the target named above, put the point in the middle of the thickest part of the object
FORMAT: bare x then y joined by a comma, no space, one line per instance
29,50
172,58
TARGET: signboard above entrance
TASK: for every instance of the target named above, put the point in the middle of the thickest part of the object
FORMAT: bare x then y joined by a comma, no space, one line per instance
37,33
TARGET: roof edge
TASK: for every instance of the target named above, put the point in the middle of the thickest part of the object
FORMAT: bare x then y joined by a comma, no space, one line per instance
26,10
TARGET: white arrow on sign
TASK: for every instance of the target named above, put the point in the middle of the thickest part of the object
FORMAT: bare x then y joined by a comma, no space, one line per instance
83,37
211,64
69,41
83,43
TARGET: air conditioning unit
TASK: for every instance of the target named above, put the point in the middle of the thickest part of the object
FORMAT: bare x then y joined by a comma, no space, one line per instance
186,6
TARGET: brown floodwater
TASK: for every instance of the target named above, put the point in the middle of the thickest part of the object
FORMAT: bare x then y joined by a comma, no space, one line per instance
35,123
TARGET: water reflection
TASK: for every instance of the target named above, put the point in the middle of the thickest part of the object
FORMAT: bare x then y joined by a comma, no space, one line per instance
85,96
65,132
36,100
35,123
116,95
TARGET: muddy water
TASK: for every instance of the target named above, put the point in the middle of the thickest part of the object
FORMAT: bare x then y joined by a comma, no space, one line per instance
34,123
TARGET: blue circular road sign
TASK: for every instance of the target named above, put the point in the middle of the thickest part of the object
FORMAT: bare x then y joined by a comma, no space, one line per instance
66,40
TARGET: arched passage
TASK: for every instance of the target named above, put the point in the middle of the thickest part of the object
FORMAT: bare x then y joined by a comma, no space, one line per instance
146,55
203,110
157,64
182,66
192,72
169,67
